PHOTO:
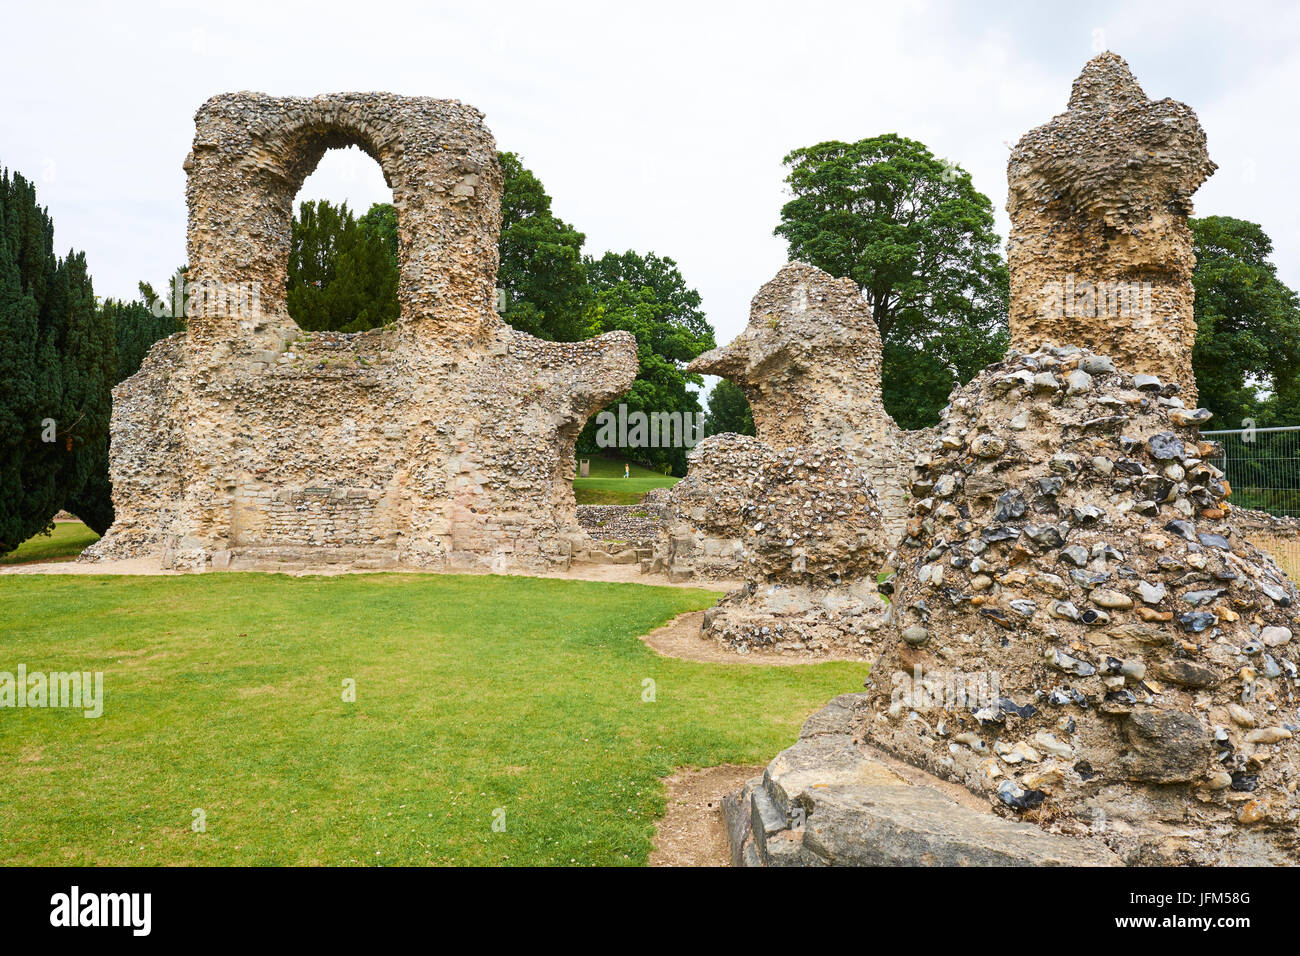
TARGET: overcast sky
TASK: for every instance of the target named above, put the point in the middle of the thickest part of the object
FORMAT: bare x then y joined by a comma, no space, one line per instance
654,126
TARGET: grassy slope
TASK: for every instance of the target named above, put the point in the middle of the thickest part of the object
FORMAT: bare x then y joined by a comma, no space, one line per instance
607,486
68,540
223,692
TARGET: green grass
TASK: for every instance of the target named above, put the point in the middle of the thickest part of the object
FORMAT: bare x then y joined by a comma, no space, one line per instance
607,486
68,540
223,692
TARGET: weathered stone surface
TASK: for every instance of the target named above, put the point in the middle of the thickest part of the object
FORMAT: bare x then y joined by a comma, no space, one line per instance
809,363
811,546
444,441
1099,199
1140,683
825,801
1165,746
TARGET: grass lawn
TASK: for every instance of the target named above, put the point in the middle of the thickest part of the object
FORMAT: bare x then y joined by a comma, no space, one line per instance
68,540
475,696
607,486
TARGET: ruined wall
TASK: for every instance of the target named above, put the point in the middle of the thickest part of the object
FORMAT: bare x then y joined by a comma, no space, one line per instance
443,441
1100,252
809,364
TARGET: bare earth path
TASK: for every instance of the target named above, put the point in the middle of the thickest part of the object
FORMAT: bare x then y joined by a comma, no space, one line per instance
692,832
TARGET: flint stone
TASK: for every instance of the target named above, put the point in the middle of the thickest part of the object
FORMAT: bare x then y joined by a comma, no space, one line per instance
1167,746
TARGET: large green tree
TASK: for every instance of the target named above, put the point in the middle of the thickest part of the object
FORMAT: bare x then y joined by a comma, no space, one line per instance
542,271
1247,352
647,296
918,238
56,368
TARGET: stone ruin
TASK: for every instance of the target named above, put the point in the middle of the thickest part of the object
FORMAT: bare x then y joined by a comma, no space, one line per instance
1099,199
803,511
444,441
1087,661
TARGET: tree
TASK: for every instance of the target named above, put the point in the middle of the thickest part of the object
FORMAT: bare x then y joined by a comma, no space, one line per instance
542,269
918,239
56,368
647,296
1247,351
729,410
343,272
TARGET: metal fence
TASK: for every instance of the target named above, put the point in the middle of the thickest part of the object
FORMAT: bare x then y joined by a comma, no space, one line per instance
1262,466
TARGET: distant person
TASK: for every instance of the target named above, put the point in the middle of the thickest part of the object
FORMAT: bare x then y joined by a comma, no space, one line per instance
627,472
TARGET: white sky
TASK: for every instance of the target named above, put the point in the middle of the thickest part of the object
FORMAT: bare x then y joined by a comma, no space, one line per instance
657,127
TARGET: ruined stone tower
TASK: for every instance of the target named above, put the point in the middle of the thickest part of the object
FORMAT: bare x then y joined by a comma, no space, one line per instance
1072,545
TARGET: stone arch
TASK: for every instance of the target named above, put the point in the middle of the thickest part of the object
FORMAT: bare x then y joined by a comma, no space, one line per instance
251,154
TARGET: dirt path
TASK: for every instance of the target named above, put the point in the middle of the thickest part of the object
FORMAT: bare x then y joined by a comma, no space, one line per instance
692,832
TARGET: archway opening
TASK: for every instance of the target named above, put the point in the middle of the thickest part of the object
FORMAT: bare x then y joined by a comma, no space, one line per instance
343,270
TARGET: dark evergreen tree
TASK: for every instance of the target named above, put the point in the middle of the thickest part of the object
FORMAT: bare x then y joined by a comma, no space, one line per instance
56,367
136,327
342,271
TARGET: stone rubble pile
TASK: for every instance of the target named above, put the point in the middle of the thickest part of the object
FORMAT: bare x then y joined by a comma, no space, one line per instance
811,548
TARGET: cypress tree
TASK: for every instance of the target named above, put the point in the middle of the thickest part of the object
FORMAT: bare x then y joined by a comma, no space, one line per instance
56,365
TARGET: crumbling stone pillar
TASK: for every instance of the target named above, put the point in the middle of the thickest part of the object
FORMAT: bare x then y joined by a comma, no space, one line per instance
1100,252
1081,634
809,363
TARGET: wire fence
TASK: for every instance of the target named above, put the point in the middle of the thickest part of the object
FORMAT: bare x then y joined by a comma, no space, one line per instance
1262,466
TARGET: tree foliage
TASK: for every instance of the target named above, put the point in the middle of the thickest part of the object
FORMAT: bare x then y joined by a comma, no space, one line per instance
136,327
647,296
729,410
917,237
342,270
542,272
56,367
1247,352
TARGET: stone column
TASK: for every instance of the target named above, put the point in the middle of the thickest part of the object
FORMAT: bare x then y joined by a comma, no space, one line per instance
1100,252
